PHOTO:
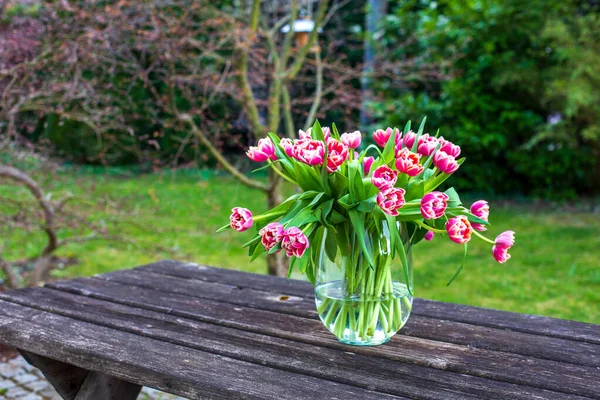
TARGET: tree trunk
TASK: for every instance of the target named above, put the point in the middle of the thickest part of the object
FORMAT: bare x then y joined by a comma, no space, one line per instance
277,263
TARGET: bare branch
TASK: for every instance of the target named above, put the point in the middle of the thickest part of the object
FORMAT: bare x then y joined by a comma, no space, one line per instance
220,158
318,93
287,112
11,275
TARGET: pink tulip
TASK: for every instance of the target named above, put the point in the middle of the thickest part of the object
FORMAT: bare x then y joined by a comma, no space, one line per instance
459,229
445,163
367,162
337,154
429,235
408,140
326,132
240,219
427,144
480,209
256,155
433,205
304,135
271,235
449,148
408,162
384,177
263,151
390,200
504,242
309,151
294,242
381,136
287,145
352,140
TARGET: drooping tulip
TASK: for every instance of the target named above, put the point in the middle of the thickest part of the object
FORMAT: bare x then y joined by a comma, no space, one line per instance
459,229
480,209
272,234
504,242
240,219
294,242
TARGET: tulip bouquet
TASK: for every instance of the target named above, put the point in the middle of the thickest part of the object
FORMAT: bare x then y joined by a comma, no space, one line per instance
357,212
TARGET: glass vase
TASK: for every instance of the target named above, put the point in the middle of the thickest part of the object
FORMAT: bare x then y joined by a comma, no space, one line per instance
364,300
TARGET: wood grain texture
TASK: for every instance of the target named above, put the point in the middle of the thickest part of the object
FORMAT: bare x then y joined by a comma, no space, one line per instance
534,324
204,332
363,370
540,346
426,353
162,365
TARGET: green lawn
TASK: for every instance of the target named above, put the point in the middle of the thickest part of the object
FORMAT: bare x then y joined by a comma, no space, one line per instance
554,269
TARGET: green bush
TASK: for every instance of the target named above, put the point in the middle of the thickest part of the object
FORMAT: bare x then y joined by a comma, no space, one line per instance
519,94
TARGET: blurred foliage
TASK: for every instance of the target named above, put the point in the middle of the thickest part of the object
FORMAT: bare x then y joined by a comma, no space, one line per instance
521,95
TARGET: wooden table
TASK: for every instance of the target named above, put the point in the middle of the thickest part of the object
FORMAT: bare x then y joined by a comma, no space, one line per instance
203,332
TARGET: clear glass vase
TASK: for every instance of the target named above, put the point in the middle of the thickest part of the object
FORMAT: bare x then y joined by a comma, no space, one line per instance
364,303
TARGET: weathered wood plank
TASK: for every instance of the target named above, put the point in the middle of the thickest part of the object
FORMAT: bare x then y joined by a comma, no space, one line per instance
446,331
534,324
165,366
341,366
446,357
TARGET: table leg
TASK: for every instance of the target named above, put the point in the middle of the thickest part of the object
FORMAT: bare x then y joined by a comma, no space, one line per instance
74,383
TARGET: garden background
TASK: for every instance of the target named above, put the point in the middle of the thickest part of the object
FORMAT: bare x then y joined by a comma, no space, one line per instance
132,118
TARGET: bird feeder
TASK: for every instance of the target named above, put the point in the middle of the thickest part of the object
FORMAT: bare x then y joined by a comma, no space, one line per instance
302,28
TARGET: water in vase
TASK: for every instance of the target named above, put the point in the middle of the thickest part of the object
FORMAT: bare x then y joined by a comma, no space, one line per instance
362,320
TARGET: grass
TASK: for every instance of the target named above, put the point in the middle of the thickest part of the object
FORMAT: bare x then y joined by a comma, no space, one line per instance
554,269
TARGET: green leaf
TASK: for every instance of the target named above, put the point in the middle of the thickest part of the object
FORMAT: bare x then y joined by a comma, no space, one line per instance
255,239
389,152
338,182
358,223
291,267
400,250
459,268
317,131
367,205
275,249
337,218
330,244
257,252
221,229
454,199
415,145
347,203
415,190
431,184
335,132
407,127
303,217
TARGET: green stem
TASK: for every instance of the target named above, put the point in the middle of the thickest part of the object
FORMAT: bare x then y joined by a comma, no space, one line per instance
429,228
480,236
284,176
